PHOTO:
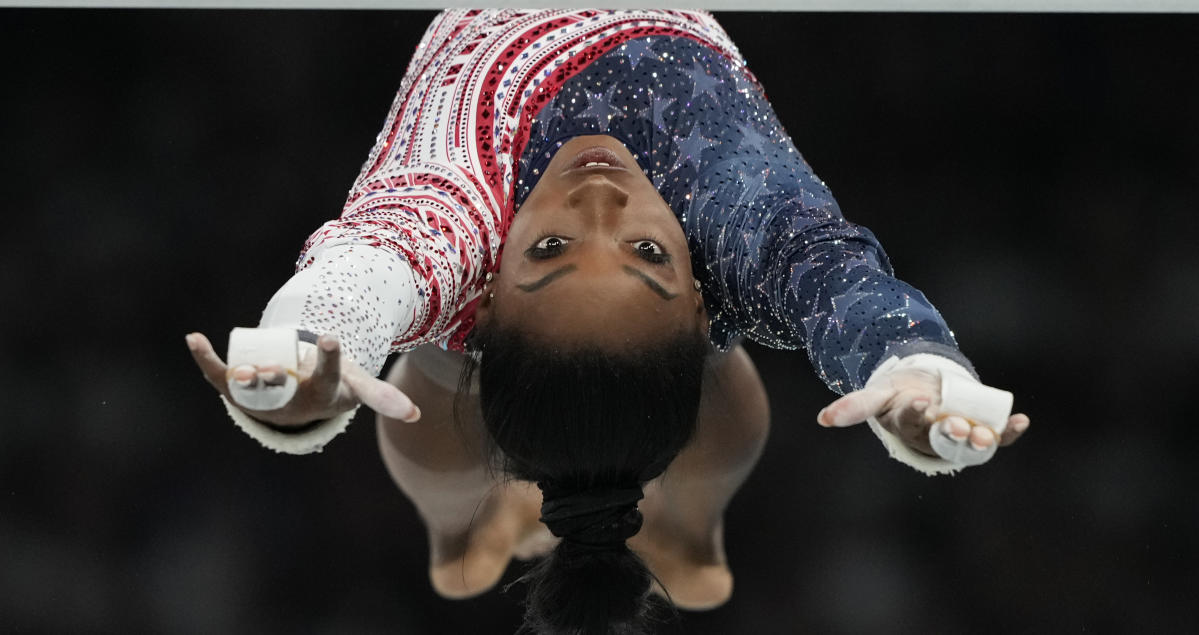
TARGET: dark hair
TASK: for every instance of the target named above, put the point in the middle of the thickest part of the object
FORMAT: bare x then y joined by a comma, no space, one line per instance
590,427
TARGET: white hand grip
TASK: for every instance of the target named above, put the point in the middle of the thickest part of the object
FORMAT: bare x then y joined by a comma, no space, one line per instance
979,404
976,403
258,347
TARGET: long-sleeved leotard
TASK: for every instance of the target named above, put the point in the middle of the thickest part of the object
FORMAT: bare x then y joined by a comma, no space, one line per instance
491,95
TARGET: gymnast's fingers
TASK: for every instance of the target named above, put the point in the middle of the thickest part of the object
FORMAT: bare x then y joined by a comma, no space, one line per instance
855,407
326,377
909,417
963,449
209,362
982,437
271,374
381,396
1016,425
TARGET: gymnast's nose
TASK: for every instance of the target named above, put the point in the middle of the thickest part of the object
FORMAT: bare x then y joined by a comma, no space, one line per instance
599,197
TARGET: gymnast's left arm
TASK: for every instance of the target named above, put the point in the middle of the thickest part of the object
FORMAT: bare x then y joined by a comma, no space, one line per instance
880,343
786,268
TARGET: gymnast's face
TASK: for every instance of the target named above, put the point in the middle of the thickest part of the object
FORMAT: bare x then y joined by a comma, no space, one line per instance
595,255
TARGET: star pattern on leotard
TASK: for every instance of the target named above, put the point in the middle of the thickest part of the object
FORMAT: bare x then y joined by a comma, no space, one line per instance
600,108
777,261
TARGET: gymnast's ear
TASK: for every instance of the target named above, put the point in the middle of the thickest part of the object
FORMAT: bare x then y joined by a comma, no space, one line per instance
483,309
701,312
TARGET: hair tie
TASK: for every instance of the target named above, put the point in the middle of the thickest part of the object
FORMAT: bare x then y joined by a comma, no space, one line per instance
600,518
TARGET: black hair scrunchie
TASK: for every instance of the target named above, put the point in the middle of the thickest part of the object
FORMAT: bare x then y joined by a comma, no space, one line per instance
597,518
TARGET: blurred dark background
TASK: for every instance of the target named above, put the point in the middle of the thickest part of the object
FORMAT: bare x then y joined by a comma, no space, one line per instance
1035,175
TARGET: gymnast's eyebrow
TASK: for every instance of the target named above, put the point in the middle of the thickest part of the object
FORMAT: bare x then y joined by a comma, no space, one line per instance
530,287
632,271
651,283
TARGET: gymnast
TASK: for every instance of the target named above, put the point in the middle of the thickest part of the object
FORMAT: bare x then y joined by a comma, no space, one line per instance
596,208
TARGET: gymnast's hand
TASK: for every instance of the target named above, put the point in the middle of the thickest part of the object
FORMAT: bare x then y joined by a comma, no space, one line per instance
328,384
905,402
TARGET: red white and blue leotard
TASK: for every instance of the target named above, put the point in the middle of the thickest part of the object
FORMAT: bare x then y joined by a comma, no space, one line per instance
487,99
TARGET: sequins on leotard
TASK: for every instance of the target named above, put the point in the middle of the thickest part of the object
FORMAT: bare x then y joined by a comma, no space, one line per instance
491,95
777,260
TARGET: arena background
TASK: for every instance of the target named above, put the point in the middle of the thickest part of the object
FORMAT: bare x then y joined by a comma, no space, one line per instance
1035,175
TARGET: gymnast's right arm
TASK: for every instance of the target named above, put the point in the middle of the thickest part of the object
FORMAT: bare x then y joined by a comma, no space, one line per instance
398,268
337,370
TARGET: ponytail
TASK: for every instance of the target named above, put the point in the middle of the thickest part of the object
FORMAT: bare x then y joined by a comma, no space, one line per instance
591,582
590,427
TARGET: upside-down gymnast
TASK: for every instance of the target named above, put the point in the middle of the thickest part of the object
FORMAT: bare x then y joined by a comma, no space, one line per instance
597,207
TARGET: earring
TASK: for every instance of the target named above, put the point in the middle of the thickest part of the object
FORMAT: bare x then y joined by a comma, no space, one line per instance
488,277
697,285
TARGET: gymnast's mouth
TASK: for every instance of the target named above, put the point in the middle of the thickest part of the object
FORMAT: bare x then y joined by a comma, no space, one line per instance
597,159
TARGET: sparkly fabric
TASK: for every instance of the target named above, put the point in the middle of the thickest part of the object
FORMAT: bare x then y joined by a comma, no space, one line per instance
777,260
490,96
437,189
360,293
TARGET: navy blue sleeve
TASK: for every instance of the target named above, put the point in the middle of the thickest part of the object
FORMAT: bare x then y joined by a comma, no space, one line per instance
777,260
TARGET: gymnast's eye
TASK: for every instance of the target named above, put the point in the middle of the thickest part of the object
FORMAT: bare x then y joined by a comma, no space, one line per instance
547,247
651,251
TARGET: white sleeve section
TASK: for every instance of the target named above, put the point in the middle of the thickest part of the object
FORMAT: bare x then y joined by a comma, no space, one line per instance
366,296
897,449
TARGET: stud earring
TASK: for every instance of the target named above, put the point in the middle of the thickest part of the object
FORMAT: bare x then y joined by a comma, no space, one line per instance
488,277
697,285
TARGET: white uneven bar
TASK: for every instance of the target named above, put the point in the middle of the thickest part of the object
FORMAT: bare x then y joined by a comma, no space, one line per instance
953,6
